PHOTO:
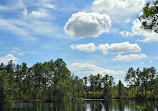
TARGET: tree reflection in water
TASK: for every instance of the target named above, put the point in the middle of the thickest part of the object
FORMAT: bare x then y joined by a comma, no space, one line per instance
88,105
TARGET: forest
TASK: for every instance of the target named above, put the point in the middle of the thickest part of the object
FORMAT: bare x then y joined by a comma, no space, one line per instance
52,81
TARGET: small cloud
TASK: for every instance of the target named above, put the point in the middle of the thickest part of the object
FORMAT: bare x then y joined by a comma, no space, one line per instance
8,58
39,13
84,47
130,57
50,6
128,20
20,54
124,47
17,51
25,12
13,51
119,48
125,34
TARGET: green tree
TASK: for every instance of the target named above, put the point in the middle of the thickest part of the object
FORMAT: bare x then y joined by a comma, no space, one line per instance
149,16
120,89
98,82
61,70
130,77
85,80
92,82
108,82
2,93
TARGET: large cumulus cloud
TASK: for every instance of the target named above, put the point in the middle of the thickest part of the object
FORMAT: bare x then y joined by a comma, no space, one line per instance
84,24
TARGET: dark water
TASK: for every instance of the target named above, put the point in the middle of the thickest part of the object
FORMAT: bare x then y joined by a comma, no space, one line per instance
88,105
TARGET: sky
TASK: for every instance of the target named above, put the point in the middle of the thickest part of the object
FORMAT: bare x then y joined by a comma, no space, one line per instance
91,36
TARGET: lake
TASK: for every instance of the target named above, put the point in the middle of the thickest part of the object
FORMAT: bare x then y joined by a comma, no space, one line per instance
87,105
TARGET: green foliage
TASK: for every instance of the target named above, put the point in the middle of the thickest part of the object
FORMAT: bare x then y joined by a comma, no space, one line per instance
142,83
142,108
2,95
120,89
52,81
48,81
108,82
149,17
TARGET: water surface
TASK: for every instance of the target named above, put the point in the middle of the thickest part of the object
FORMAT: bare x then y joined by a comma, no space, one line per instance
88,105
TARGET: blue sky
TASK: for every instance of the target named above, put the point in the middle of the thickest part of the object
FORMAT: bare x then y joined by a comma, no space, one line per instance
91,36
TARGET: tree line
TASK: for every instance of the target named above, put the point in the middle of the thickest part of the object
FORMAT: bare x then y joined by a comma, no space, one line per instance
48,81
52,81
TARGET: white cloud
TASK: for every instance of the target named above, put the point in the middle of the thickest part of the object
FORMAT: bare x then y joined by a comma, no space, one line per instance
11,5
39,13
50,6
31,19
118,48
38,4
25,12
149,36
21,54
83,24
125,33
17,51
29,29
7,58
104,48
84,47
124,47
16,29
128,20
115,48
117,8
85,68
130,57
